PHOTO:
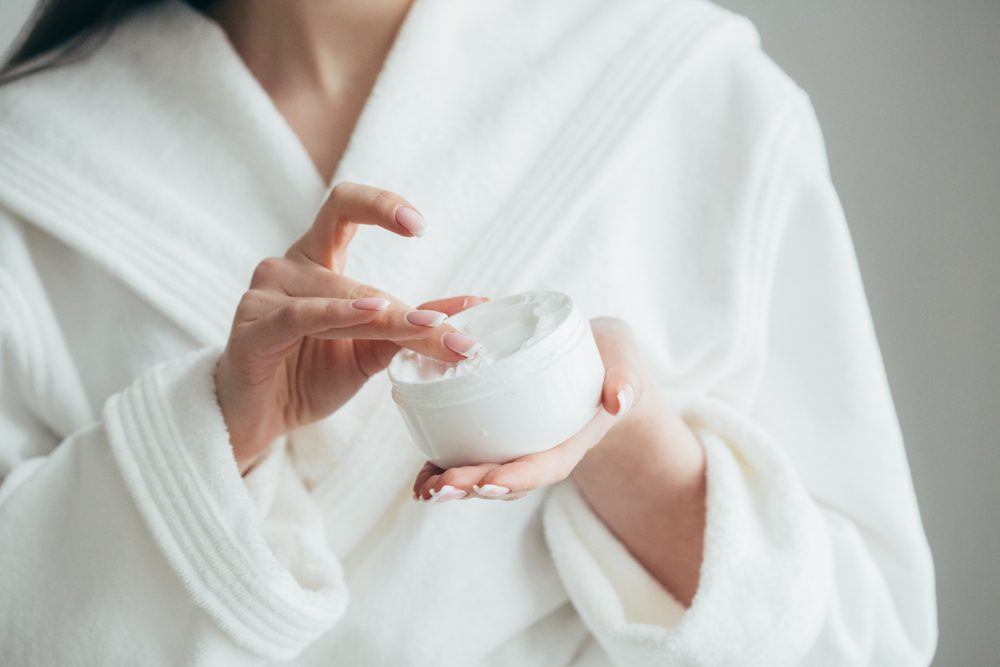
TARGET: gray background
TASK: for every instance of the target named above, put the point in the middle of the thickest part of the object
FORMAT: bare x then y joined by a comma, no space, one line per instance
908,92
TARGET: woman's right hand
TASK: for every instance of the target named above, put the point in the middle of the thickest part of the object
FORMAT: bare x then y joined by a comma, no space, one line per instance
305,337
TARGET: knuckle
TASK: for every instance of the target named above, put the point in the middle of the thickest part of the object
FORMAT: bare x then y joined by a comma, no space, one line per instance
451,476
384,201
336,203
364,291
331,310
290,316
266,271
341,190
251,301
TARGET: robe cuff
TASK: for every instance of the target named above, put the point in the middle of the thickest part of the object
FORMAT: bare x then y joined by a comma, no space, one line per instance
631,594
766,573
169,439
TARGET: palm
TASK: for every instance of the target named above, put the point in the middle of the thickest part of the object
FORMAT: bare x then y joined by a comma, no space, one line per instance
322,375
305,337
515,478
318,376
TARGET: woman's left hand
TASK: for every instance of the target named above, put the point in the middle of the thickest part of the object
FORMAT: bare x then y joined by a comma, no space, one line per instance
625,387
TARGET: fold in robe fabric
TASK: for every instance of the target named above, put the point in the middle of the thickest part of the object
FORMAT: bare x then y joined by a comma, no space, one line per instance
644,157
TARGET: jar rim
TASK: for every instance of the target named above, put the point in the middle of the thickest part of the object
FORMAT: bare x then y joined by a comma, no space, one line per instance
541,354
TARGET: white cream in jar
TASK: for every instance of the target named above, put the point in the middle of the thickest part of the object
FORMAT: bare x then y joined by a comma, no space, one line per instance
536,381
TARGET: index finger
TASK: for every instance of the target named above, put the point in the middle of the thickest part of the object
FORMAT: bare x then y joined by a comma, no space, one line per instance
454,304
350,205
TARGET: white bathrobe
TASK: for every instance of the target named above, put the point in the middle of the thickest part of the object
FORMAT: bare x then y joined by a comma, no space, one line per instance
644,157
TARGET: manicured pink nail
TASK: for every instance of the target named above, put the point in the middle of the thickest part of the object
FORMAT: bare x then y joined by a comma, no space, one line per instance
626,396
490,490
425,318
462,344
411,221
447,492
370,303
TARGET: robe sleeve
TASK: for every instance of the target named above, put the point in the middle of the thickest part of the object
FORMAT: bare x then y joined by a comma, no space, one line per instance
135,540
814,551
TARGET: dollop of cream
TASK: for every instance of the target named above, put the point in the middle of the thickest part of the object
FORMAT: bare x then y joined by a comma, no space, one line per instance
504,327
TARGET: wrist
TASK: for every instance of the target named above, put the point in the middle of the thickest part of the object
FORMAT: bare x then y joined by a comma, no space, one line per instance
650,441
250,433
647,481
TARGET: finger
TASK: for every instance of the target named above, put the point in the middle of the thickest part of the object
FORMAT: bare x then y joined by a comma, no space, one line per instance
620,392
622,388
298,278
302,277
423,331
425,473
297,318
255,303
544,468
307,279
377,354
349,205
454,304
452,483
514,496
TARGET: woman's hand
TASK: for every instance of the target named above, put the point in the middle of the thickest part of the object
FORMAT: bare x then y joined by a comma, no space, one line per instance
637,464
305,337
632,406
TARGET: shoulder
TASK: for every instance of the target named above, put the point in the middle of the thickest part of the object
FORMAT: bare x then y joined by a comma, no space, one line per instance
720,126
713,146
685,203
733,88
103,123
95,88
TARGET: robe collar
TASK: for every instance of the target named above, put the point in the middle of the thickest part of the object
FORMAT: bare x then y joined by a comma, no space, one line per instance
161,158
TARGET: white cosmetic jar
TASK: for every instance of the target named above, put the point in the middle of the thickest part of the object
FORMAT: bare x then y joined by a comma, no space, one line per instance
536,381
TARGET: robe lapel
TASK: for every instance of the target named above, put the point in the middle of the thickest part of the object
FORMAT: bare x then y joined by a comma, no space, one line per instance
499,150
495,119
494,136
501,171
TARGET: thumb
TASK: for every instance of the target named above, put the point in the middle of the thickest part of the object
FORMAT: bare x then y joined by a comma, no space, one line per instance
623,385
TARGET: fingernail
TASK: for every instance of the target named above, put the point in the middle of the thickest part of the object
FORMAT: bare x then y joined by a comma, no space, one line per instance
490,490
370,303
425,318
626,396
462,344
411,221
447,492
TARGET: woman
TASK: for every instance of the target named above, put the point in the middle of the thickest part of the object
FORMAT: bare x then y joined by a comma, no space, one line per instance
182,486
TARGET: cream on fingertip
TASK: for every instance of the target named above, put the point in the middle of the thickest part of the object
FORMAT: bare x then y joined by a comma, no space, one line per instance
445,493
490,490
